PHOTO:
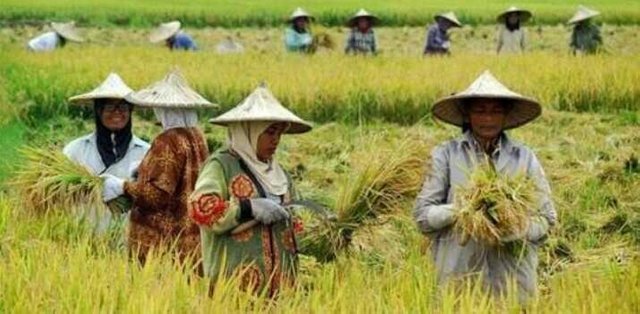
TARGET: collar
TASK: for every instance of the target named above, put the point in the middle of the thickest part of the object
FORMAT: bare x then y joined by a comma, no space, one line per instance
505,144
135,141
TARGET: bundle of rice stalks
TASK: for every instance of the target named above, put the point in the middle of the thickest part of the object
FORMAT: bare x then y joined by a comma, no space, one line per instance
49,180
377,186
493,206
322,40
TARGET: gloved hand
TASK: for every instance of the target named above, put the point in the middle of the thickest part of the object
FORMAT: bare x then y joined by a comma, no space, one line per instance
538,229
112,187
267,211
436,218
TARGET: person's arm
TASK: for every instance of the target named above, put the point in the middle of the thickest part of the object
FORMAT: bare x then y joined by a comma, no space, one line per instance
523,41
209,204
499,39
431,211
164,169
350,47
573,43
546,216
374,47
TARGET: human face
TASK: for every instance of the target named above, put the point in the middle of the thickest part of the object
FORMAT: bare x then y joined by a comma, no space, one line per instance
301,22
363,23
513,18
115,114
268,141
487,118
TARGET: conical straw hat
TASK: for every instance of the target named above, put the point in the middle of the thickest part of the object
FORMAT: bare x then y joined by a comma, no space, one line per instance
165,31
582,14
113,87
363,13
449,109
525,15
172,92
68,31
299,12
449,16
261,105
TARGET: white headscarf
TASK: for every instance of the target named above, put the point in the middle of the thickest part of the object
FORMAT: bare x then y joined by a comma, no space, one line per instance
243,139
176,118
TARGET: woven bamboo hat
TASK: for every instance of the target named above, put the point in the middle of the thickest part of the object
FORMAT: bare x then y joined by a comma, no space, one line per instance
261,105
362,13
112,87
449,16
171,92
165,31
299,12
67,30
525,15
449,109
582,14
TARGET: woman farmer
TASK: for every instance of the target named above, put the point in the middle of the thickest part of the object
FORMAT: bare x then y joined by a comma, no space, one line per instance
511,36
438,36
241,197
484,111
57,38
174,38
362,39
168,172
111,148
298,37
585,38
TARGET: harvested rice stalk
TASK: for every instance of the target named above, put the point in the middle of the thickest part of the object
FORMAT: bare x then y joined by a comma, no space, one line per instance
377,186
493,206
322,40
49,180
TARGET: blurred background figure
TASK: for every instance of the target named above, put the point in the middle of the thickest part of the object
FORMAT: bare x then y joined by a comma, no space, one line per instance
173,36
511,36
437,35
362,39
56,38
298,36
585,38
229,46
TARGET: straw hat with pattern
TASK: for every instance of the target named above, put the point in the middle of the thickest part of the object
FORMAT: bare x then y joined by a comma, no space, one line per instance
113,87
67,31
299,12
449,109
449,16
261,105
582,14
525,15
171,92
362,13
165,31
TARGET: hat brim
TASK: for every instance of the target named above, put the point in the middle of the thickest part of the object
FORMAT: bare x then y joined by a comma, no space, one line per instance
308,17
159,34
67,33
525,16
582,18
294,128
374,20
450,110
88,99
454,23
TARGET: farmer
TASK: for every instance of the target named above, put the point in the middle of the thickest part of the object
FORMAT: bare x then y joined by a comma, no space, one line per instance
484,111
57,38
585,38
362,39
167,174
437,35
241,196
298,37
111,148
511,36
174,38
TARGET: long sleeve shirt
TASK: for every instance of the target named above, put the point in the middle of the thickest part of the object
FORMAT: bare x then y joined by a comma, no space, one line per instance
361,43
586,38
45,42
511,41
297,42
182,41
452,163
437,41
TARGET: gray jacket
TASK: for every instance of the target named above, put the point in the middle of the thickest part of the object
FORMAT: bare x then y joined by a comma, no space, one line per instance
434,212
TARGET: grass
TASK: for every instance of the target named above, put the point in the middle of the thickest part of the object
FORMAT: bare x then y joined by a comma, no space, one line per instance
202,13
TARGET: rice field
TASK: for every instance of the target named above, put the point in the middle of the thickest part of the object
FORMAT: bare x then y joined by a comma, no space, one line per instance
365,159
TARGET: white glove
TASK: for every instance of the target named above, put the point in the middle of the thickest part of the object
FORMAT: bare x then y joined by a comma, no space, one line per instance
112,187
436,218
267,211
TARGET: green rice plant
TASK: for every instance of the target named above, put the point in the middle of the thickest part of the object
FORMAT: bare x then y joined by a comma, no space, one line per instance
493,206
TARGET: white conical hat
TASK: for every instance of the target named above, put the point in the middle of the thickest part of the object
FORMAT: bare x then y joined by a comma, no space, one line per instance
362,13
525,15
67,30
113,87
172,92
582,14
261,105
449,16
299,12
165,31
449,109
